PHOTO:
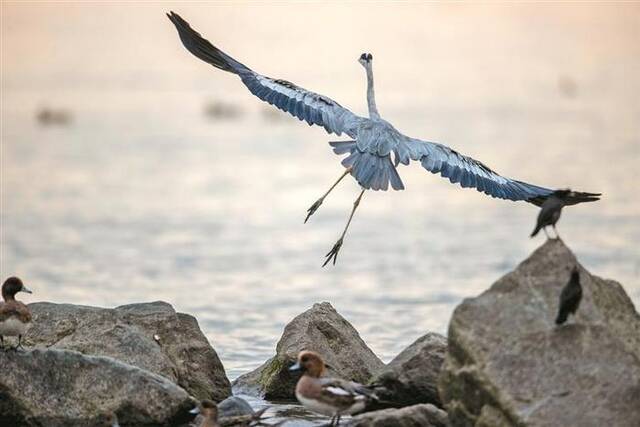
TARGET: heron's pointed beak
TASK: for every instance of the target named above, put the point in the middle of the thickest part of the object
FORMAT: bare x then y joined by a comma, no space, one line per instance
25,289
295,368
195,411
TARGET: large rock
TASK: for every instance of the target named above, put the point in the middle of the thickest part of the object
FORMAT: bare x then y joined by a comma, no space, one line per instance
412,376
234,406
508,363
320,329
65,388
151,336
423,415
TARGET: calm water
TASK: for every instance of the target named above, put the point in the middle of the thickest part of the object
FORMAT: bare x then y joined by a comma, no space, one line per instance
144,198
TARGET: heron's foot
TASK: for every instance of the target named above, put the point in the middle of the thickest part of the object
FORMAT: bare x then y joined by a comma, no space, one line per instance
314,207
333,253
17,348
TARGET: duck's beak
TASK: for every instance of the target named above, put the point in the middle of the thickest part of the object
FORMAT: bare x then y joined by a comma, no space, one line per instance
26,290
195,411
295,367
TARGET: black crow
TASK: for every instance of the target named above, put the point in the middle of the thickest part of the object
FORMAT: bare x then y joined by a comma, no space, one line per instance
570,297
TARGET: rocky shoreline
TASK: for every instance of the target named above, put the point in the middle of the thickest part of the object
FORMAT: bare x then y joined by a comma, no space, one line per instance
505,362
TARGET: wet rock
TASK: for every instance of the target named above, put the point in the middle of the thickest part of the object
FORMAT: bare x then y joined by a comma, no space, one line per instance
151,336
412,376
422,415
320,329
51,387
508,363
234,406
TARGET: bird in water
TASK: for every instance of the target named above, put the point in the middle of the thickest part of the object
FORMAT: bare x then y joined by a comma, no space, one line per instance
208,412
15,317
375,148
209,417
333,397
570,297
551,208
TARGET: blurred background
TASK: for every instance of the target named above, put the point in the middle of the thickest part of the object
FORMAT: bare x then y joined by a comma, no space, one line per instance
131,171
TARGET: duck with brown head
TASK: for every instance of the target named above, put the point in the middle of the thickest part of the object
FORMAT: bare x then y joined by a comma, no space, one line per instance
208,414
333,397
15,317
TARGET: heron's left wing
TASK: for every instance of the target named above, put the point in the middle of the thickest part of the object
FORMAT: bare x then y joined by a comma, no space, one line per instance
311,107
468,172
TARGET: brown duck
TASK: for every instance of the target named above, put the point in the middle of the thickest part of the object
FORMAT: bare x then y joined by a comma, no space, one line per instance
333,397
15,317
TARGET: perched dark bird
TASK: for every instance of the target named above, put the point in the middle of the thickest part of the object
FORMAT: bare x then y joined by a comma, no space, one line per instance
375,148
333,397
570,297
551,208
15,317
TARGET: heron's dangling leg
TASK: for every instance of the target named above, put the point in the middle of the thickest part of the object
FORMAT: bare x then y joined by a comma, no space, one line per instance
545,232
318,202
556,231
338,420
1,342
333,253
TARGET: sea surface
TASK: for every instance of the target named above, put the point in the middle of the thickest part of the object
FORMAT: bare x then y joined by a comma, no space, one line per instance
171,182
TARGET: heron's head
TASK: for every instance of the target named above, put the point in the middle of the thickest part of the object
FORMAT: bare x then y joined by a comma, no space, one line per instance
365,59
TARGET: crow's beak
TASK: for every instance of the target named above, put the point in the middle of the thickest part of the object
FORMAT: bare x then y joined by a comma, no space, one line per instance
195,411
25,289
295,368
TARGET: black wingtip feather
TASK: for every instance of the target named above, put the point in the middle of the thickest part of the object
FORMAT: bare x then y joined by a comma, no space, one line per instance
199,46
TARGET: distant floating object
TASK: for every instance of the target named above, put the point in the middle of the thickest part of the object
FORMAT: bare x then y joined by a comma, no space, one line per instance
53,117
221,110
567,86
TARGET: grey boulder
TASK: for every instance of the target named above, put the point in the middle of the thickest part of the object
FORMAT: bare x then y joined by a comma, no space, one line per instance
234,406
66,388
151,336
320,329
508,364
412,376
422,415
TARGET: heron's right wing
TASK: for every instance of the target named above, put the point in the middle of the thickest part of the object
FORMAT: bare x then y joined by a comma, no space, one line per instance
315,109
468,172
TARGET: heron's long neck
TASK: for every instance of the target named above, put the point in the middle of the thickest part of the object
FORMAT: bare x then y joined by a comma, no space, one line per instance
371,96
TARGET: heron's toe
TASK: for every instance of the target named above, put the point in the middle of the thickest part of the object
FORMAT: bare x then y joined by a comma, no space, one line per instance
333,253
313,209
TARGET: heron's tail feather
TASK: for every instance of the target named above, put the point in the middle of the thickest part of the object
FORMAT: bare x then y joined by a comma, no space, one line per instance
202,48
342,147
370,170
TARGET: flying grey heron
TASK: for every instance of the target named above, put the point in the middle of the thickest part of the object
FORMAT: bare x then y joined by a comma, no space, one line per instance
376,148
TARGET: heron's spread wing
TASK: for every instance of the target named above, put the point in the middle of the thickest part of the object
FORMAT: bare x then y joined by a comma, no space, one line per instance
468,172
315,109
